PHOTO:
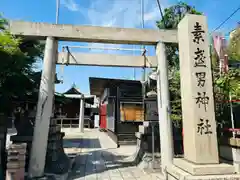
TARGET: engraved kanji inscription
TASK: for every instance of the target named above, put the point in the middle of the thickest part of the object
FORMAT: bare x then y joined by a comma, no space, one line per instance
202,100
204,127
198,33
199,58
201,78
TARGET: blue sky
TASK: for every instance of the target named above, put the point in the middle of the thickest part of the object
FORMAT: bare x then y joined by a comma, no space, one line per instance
114,13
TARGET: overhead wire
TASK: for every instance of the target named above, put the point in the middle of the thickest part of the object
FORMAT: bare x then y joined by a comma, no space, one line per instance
143,47
56,21
134,70
69,52
229,17
66,62
160,9
142,17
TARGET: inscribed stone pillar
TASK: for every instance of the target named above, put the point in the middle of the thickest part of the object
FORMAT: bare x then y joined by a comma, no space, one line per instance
200,139
44,111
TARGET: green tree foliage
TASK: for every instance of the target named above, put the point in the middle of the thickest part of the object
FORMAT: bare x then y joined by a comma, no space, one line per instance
223,83
3,23
230,83
172,16
17,75
234,45
175,95
227,83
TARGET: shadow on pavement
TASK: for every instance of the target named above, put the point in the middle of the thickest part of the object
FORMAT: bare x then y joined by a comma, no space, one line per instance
96,162
81,143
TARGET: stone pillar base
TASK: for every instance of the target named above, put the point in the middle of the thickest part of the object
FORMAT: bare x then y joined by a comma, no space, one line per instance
205,169
175,173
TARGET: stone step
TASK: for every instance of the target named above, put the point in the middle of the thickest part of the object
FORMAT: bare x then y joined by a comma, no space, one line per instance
142,129
18,146
21,139
138,135
16,151
146,123
149,123
132,142
21,157
14,170
14,165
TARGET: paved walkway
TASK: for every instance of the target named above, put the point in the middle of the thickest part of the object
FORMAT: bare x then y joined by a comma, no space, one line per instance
97,158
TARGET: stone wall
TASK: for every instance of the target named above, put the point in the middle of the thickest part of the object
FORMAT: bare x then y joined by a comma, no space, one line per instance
16,161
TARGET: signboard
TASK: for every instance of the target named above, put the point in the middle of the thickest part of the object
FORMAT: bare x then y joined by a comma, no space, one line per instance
131,112
151,110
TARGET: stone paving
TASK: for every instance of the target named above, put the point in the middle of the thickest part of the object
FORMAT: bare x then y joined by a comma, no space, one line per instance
97,158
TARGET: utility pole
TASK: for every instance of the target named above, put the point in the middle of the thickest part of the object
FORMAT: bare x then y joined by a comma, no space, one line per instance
142,15
57,18
57,10
134,70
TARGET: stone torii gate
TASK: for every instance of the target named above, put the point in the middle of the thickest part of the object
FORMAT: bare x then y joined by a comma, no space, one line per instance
201,159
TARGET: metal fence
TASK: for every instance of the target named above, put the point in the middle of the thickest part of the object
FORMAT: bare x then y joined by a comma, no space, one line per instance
72,122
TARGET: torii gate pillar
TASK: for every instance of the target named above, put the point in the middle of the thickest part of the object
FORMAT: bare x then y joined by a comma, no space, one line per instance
165,123
81,114
44,110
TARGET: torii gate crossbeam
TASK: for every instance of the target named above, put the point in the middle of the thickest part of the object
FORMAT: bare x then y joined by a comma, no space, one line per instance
93,34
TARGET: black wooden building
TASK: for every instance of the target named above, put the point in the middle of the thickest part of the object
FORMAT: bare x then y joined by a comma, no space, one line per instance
121,107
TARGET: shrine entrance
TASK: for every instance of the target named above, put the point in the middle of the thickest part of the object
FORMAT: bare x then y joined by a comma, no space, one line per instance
196,82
